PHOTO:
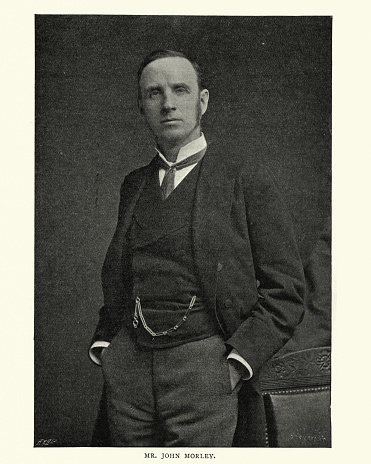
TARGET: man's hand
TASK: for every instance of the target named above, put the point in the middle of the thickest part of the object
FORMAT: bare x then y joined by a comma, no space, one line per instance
101,353
98,351
236,371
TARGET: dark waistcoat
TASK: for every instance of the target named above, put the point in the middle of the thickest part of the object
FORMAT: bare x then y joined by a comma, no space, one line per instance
164,276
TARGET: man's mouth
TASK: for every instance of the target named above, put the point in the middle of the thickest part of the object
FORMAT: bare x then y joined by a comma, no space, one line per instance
168,120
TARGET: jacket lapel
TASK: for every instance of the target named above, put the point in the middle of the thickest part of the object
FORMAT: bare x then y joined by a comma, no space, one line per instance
130,199
211,213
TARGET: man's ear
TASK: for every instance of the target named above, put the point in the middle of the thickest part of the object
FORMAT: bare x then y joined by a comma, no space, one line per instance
204,100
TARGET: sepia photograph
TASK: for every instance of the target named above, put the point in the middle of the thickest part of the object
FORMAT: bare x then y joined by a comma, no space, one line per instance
183,200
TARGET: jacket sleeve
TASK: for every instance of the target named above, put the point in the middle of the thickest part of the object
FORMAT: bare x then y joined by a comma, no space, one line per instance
115,280
278,270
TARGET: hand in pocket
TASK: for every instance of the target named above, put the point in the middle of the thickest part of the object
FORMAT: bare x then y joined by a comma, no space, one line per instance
235,372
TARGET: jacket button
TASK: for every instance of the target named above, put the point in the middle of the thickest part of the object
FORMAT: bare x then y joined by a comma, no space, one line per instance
220,266
228,303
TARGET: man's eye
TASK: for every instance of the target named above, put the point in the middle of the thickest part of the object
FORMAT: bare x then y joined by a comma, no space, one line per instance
154,93
181,90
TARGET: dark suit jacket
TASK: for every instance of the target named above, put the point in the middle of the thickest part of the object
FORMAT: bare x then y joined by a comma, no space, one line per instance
245,255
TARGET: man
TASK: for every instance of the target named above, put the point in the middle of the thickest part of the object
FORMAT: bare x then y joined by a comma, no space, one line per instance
202,281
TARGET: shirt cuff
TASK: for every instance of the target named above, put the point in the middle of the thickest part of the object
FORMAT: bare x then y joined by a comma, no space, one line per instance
98,344
235,355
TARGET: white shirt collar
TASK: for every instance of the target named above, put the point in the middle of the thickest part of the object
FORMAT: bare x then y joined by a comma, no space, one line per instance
188,150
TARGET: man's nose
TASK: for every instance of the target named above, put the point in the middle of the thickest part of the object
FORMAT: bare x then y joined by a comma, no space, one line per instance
168,102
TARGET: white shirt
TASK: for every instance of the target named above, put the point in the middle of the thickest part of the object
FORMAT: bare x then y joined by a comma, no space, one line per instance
188,150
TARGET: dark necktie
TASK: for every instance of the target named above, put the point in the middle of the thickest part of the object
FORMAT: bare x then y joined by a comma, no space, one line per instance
167,185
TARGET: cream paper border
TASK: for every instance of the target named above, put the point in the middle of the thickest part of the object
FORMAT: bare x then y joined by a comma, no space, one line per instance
351,162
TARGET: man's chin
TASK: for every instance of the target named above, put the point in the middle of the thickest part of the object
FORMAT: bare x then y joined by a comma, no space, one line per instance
172,135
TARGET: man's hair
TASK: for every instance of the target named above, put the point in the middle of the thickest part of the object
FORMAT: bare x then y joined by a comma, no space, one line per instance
158,54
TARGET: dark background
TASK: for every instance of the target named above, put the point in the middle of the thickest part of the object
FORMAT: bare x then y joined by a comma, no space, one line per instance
270,92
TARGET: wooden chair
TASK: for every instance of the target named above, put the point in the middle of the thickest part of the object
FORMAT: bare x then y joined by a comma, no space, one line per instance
296,393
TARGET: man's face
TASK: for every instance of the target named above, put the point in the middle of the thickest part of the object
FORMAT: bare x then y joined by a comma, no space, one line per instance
171,101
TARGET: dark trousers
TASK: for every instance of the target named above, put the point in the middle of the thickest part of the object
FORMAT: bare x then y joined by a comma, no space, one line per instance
178,396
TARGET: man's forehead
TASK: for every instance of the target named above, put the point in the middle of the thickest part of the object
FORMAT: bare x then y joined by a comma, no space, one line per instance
175,69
